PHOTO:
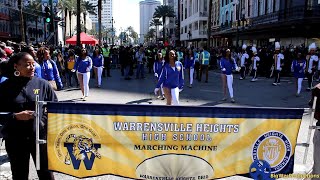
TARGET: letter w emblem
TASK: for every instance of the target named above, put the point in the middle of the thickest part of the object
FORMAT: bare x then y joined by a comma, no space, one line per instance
88,161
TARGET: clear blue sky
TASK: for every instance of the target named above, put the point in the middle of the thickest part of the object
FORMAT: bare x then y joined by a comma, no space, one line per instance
126,13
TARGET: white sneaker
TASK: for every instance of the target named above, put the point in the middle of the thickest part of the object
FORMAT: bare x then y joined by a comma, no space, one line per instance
241,78
253,80
232,100
275,84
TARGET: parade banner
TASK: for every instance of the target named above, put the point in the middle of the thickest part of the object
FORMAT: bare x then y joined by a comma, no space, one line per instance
170,142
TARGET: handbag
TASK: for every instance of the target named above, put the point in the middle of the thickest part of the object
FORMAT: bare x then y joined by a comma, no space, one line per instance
53,85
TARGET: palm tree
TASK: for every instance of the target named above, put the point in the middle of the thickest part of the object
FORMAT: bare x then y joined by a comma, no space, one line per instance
33,11
99,20
163,12
22,31
67,7
155,23
132,33
209,23
87,7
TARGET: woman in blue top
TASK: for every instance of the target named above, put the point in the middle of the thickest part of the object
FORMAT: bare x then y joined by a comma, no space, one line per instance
298,67
227,65
189,62
83,66
97,60
172,79
157,69
49,69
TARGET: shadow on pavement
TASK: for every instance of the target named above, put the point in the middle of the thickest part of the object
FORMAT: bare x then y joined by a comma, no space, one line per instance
147,100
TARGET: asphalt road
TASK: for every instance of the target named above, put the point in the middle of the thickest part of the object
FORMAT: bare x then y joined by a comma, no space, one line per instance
116,90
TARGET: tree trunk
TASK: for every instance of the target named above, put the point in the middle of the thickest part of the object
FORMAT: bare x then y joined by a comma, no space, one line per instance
209,23
70,23
65,25
78,22
36,33
99,20
23,35
164,29
85,22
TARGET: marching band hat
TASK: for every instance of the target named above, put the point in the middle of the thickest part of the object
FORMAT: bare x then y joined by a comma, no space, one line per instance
277,46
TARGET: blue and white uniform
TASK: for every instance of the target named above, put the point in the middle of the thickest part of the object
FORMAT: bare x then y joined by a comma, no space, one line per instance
173,79
227,66
98,65
189,64
84,66
157,69
49,72
37,70
298,67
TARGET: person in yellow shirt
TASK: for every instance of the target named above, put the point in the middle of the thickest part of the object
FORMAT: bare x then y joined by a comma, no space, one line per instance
70,64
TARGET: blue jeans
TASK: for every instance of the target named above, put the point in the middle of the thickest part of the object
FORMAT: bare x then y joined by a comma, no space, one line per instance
140,70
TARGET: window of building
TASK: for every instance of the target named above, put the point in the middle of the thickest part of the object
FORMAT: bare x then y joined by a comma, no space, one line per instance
205,5
185,29
196,25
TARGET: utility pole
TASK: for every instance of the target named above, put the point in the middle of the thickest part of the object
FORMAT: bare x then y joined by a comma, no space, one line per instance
78,23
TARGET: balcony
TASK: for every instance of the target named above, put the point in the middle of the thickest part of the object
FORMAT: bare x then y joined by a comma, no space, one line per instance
291,14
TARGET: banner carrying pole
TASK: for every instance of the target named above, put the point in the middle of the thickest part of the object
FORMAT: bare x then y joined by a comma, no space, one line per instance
310,129
38,140
37,134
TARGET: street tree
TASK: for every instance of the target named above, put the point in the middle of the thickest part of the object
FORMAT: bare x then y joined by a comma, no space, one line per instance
87,8
163,12
22,30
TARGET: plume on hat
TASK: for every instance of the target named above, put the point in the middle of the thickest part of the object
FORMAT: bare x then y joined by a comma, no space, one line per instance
244,46
254,50
312,46
277,46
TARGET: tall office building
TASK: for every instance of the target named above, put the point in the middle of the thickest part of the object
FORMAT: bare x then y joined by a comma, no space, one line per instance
106,14
147,9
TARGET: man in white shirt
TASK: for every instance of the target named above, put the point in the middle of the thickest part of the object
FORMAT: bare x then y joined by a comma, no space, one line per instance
243,62
311,58
278,63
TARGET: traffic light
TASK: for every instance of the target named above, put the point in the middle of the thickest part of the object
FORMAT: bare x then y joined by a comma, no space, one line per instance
47,15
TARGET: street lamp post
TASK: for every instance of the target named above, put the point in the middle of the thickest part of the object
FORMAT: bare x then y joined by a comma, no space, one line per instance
112,21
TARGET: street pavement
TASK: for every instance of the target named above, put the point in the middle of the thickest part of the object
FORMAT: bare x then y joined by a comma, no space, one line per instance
116,90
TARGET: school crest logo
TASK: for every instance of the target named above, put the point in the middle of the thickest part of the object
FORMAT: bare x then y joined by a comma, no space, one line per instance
76,145
273,147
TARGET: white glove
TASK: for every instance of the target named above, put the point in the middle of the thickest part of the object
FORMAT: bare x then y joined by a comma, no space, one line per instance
73,70
88,69
180,90
238,69
156,74
156,90
224,69
310,71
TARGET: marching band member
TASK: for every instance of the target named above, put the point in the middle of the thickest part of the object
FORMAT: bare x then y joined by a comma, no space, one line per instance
180,55
172,79
255,60
83,66
97,60
157,68
298,66
311,58
278,58
189,65
227,65
243,62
